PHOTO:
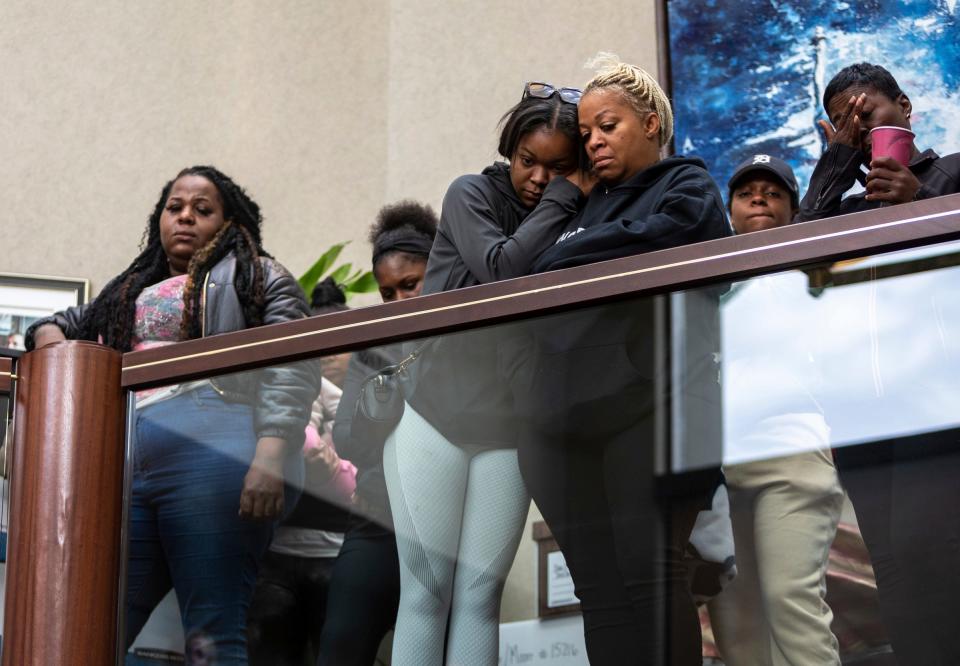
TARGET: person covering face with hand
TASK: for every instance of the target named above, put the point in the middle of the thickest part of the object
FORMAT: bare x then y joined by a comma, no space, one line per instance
912,544
858,99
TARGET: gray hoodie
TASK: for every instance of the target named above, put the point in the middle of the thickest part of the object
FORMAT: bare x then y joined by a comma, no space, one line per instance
485,234
481,238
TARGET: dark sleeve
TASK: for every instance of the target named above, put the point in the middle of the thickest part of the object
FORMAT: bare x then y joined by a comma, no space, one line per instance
948,182
690,211
836,172
469,219
67,320
285,393
353,440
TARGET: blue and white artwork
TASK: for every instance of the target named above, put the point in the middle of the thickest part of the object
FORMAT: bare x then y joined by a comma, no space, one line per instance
748,75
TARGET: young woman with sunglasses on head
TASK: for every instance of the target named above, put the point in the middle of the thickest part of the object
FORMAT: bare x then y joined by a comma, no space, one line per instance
587,455
458,502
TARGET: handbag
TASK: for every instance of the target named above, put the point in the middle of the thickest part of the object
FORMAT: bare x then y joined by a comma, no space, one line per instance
383,395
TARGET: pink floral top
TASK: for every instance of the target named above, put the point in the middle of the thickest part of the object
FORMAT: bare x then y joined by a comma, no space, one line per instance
159,310
158,314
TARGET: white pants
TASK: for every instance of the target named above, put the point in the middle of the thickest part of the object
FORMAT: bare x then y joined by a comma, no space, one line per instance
459,515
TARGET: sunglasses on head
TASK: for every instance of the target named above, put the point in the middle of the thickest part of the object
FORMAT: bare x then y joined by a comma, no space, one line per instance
546,91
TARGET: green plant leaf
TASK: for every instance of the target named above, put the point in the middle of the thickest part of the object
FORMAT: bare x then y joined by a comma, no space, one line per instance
315,273
353,277
364,284
340,274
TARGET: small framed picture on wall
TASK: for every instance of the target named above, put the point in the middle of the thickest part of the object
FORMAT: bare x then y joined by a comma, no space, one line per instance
26,298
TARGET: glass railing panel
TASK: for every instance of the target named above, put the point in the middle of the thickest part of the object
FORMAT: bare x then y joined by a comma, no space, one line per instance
839,444
6,438
617,419
869,344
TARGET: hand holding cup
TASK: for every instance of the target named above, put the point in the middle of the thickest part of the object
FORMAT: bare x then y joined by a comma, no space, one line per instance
890,181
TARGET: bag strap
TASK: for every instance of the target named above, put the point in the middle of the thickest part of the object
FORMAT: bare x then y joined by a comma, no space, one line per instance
412,356
402,364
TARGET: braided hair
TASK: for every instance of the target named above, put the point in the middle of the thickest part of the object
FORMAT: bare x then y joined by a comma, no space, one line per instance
638,88
112,314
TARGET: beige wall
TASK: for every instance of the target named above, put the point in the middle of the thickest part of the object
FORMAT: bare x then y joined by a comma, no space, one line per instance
104,101
323,110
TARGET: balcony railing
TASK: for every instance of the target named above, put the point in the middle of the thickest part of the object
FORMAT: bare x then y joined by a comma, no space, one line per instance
695,308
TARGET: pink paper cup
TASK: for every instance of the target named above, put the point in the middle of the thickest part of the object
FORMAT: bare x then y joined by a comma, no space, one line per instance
894,142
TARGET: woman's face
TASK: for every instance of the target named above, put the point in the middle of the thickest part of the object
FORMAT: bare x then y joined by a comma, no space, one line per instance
540,156
334,368
192,215
619,143
399,276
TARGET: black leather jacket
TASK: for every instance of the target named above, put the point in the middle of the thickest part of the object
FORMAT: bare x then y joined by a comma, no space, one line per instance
281,395
839,169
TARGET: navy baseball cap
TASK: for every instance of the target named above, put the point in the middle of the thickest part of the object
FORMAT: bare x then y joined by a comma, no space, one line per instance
770,164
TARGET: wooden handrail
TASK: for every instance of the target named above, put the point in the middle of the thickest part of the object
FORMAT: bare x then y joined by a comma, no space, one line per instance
6,375
882,230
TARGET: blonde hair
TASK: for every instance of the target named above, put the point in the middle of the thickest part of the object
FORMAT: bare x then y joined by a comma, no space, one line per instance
637,86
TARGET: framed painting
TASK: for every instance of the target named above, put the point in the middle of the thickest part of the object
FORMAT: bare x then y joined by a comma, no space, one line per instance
748,76
26,298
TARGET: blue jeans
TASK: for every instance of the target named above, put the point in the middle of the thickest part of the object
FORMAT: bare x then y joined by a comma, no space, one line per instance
191,455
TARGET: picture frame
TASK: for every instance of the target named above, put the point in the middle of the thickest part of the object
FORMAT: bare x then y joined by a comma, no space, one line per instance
26,298
23,300
735,97
554,585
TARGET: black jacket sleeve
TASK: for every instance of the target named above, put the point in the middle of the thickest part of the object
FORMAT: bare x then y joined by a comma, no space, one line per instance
67,320
470,221
836,172
285,393
689,212
942,178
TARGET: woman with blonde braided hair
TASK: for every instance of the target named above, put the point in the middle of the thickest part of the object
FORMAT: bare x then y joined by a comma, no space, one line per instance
587,457
216,462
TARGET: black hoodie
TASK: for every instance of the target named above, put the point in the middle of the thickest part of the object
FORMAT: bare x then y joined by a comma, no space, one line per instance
839,169
674,202
591,373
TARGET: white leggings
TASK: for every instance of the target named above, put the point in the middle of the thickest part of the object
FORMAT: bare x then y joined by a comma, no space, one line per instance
459,516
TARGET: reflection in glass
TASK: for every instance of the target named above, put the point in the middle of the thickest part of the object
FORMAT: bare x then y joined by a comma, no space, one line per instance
193,464
802,384
859,353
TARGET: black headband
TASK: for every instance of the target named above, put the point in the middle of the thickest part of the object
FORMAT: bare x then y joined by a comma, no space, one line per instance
404,239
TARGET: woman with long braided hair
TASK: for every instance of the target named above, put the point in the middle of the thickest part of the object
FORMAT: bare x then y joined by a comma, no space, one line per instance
216,462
